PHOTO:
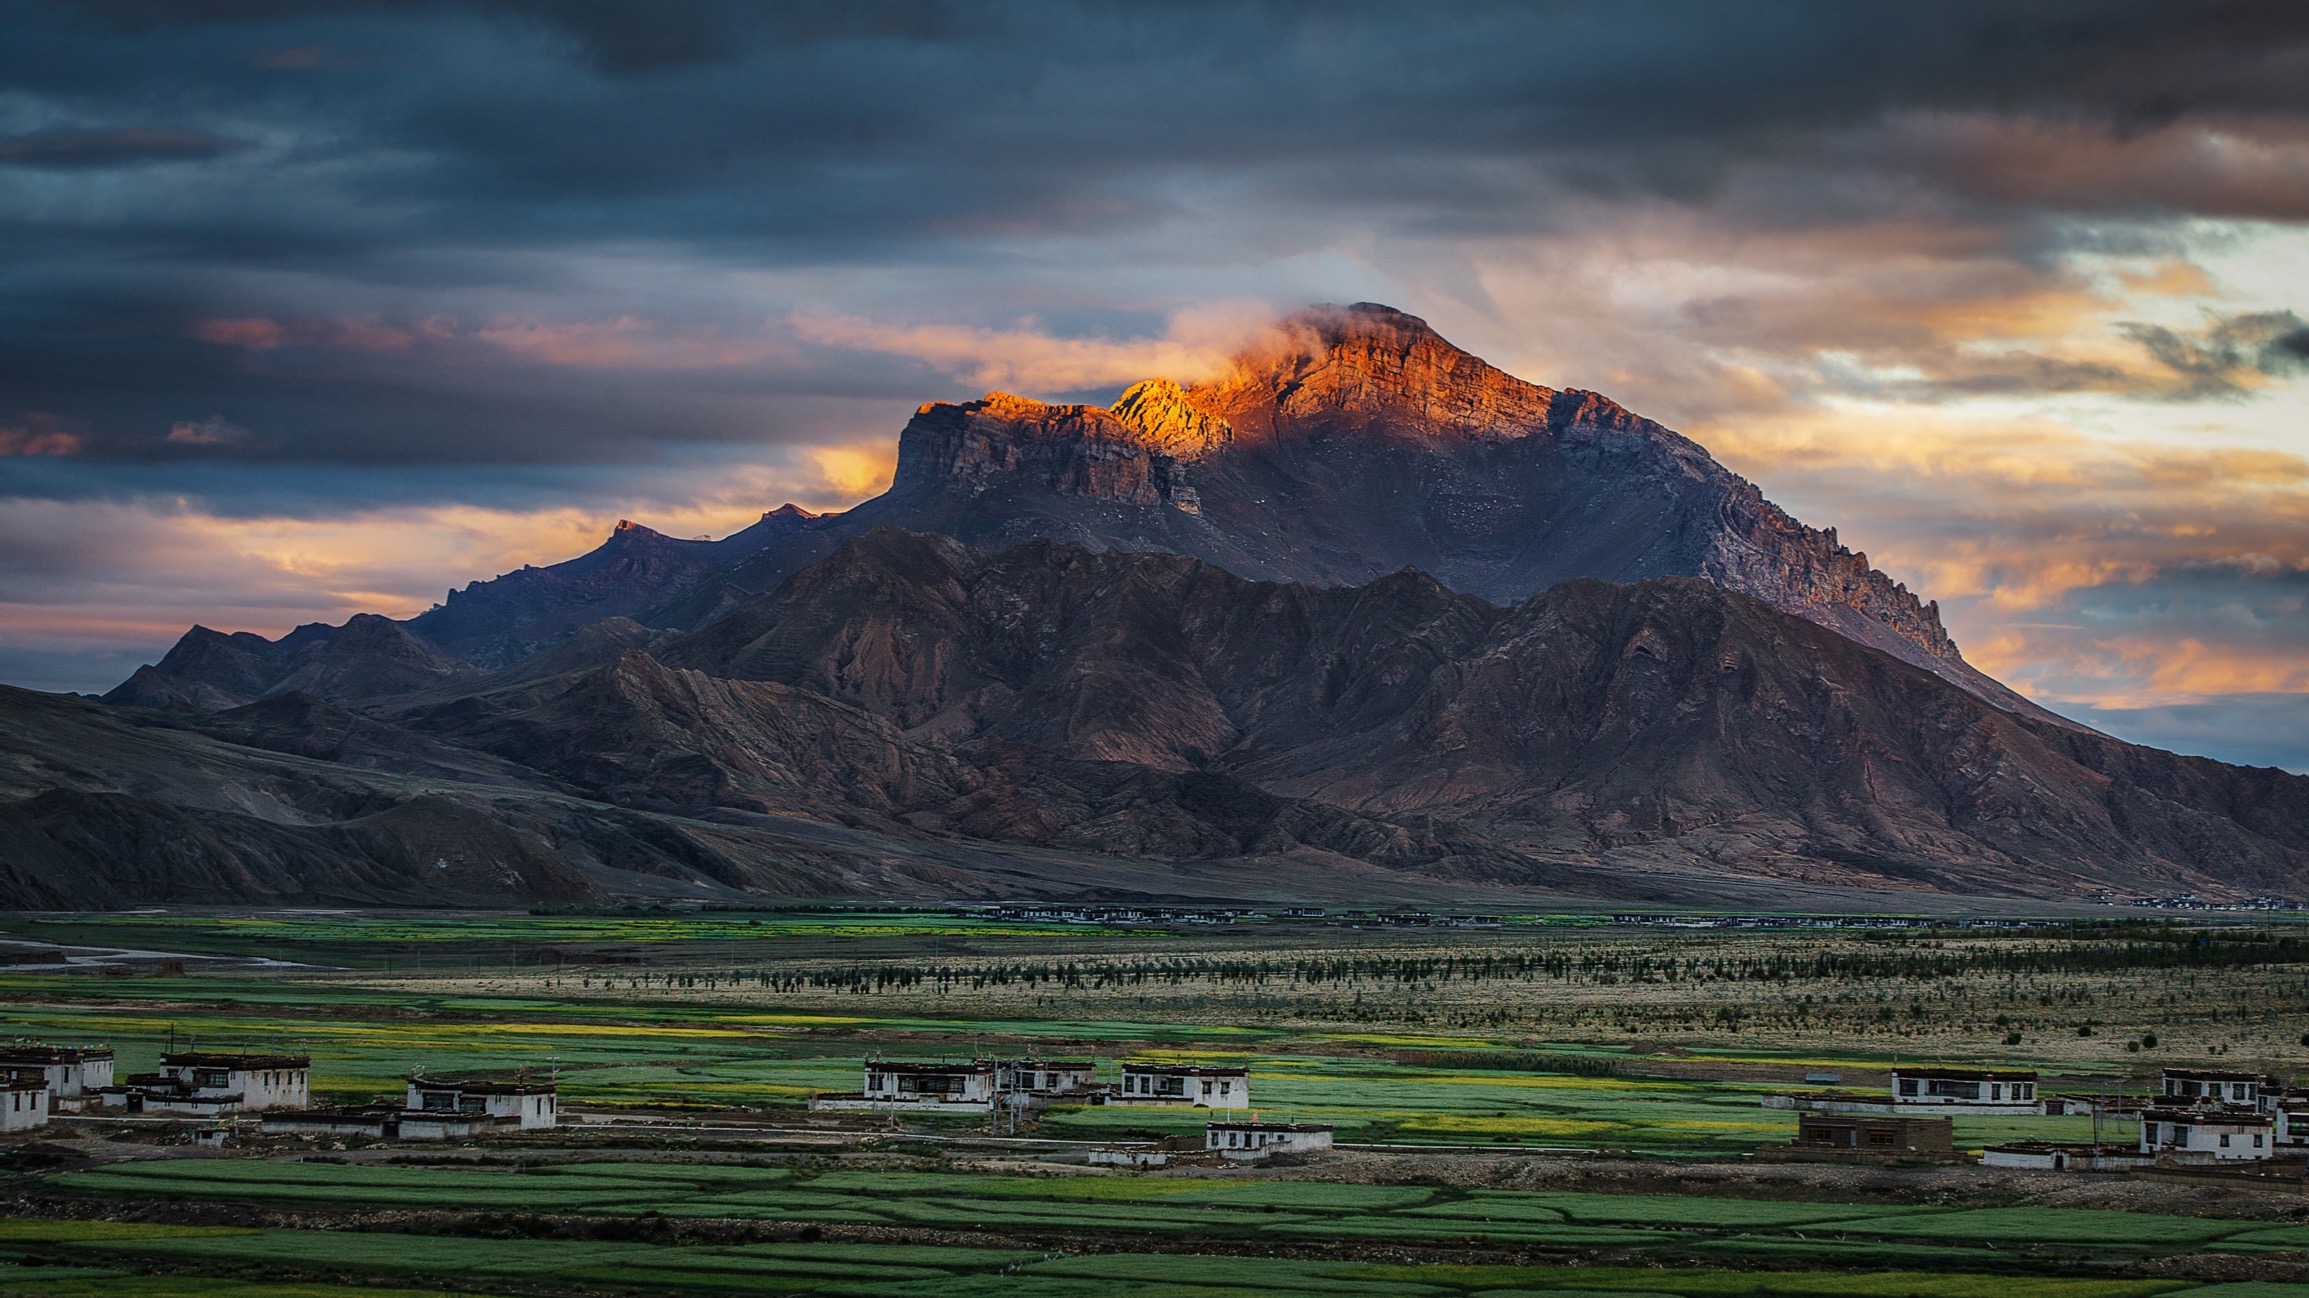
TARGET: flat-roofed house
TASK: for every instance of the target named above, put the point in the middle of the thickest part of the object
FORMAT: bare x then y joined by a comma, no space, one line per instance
72,1072
969,1081
2202,1135
2183,1086
1965,1090
204,1084
1205,1086
24,1101
1864,1135
1245,1142
1047,1078
948,1086
519,1103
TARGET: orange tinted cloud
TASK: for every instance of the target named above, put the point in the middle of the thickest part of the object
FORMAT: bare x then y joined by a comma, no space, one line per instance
1196,346
858,471
40,434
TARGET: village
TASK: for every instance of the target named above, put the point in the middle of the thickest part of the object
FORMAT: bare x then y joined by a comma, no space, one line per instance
2193,1120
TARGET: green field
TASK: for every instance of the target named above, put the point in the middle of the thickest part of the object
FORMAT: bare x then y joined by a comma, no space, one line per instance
1204,1207
2023,1251
368,940
365,1040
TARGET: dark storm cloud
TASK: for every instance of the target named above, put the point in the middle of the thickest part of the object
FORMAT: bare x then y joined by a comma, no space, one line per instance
2226,355
108,148
386,228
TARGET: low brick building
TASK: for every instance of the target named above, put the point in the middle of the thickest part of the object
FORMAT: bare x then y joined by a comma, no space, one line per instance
1868,1136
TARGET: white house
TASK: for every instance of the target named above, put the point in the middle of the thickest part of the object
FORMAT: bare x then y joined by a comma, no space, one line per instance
2207,1135
204,1085
2183,1086
522,1104
956,1082
1964,1090
952,1086
1048,1078
1204,1086
1245,1142
72,1072
25,1105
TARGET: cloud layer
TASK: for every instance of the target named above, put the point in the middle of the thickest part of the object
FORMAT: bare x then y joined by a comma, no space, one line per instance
314,306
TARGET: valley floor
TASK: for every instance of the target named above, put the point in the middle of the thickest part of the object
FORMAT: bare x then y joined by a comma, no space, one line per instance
1546,1107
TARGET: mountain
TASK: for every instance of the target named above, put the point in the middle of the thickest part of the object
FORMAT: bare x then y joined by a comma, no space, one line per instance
1356,441
912,717
1348,444
369,657
501,621
1668,721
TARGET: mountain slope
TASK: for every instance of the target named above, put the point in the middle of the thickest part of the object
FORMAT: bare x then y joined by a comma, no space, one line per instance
1688,725
369,657
1355,442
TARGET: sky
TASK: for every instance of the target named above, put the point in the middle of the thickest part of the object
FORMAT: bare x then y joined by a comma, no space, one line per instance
316,307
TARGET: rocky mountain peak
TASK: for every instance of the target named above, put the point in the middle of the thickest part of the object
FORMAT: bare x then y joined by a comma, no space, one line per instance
1372,368
631,532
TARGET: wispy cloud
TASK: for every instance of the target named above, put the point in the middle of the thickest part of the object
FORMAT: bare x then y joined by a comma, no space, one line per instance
1196,345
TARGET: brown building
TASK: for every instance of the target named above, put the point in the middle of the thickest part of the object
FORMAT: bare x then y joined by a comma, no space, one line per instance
1864,1135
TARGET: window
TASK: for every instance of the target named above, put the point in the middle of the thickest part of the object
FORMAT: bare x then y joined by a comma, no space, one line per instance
2256,1140
2224,1140
1883,1138
1908,1086
1206,1086
440,1102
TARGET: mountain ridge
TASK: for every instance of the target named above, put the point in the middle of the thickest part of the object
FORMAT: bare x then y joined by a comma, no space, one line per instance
1348,443
915,717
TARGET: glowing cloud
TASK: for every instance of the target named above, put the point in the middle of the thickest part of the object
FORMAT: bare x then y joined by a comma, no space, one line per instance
1197,345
